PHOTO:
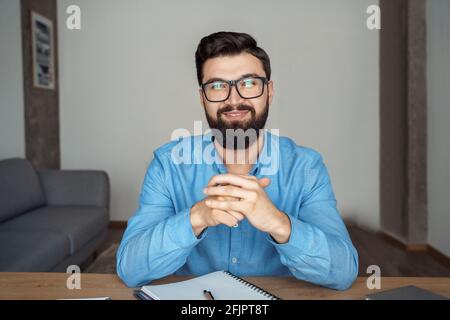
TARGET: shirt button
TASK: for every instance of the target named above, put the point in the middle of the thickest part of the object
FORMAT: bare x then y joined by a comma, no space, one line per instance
234,260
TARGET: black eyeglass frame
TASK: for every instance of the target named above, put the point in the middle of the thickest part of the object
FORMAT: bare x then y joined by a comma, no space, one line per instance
232,83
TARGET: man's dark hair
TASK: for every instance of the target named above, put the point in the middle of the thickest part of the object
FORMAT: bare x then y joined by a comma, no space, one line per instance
228,44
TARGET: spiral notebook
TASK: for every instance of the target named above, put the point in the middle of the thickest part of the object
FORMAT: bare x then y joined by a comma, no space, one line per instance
223,285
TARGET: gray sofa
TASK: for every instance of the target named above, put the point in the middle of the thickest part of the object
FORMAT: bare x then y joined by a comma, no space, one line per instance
50,219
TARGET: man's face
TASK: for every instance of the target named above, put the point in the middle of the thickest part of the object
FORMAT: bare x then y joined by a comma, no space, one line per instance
236,112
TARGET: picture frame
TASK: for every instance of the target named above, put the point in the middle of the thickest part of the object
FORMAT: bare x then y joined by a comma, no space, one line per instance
43,52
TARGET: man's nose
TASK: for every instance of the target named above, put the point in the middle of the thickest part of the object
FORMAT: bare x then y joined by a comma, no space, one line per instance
234,98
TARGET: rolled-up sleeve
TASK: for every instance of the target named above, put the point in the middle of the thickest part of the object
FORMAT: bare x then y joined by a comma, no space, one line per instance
319,249
157,240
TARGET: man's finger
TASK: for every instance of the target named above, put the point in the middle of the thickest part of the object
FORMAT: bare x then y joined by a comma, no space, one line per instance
227,219
225,198
247,176
264,182
233,179
226,205
239,216
230,191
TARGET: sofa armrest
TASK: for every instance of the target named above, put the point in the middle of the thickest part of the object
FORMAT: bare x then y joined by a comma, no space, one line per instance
75,187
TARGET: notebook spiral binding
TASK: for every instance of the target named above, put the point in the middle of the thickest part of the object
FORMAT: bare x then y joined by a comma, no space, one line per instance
253,287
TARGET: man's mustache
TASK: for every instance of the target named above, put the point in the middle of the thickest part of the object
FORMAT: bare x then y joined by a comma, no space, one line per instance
241,107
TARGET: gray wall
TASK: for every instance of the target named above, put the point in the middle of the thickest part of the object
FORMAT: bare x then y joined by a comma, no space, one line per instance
127,80
12,136
438,35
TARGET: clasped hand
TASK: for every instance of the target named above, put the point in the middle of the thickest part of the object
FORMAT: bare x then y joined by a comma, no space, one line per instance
232,198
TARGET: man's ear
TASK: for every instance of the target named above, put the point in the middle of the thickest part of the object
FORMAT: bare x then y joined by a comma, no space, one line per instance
202,98
270,91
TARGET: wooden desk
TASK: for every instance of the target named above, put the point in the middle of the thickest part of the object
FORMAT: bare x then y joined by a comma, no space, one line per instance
51,286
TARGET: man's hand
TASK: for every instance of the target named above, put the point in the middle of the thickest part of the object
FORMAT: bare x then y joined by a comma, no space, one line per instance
251,201
203,216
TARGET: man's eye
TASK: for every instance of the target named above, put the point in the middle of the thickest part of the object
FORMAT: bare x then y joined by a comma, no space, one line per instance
217,86
247,83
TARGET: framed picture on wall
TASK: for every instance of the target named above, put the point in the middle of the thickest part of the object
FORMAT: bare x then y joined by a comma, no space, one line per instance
43,52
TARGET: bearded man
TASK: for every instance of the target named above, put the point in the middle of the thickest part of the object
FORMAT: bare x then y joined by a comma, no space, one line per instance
234,214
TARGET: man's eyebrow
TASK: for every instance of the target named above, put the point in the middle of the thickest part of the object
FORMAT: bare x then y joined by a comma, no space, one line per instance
214,79
247,75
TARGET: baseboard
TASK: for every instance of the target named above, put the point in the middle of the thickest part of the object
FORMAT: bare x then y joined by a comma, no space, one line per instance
417,247
117,224
400,243
441,257
393,240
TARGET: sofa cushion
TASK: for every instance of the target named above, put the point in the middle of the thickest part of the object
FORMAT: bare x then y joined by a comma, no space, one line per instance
20,189
79,224
32,251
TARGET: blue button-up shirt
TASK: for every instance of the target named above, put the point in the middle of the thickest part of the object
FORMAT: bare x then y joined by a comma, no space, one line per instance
159,239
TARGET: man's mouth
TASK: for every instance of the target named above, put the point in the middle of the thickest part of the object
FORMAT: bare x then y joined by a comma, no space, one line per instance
236,114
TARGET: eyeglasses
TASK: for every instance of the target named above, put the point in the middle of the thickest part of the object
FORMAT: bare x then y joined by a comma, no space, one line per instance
247,88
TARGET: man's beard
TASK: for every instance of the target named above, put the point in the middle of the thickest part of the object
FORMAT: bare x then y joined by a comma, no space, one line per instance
237,134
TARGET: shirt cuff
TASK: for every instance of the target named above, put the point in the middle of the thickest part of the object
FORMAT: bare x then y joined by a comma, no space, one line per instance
297,243
180,230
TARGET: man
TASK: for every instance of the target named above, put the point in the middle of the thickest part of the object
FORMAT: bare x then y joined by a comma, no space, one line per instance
240,216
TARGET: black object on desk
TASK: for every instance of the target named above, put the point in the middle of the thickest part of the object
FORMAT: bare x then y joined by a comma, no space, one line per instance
405,293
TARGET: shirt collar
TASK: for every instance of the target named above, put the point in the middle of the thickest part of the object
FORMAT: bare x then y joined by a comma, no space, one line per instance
208,138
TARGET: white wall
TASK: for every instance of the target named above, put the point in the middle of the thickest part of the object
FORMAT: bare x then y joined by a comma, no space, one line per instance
12,135
128,79
438,77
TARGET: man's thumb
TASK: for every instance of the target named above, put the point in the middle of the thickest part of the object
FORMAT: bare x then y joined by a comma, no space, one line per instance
264,182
